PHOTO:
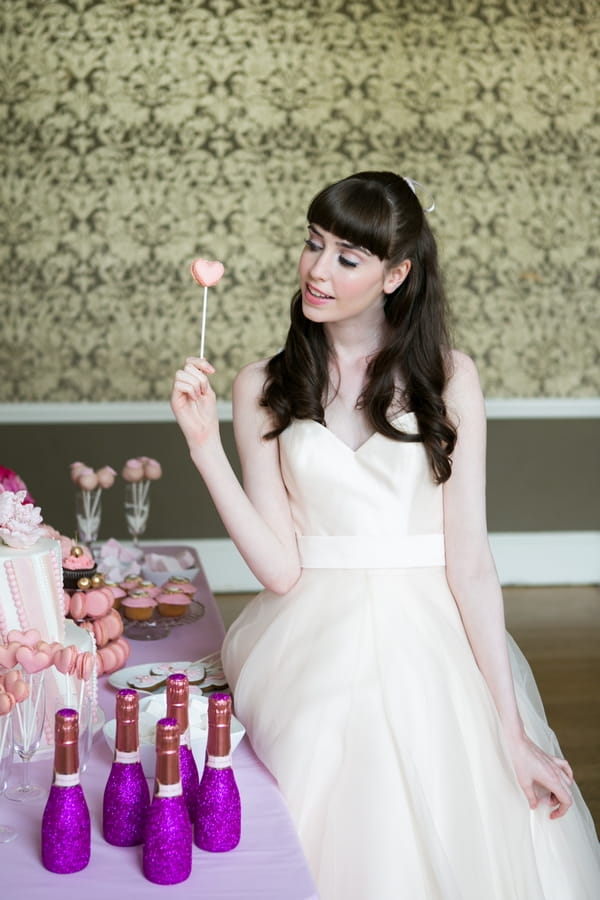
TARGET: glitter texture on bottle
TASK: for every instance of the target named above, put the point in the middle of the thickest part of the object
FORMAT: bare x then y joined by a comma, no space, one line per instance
218,814
178,699
126,795
66,832
167,852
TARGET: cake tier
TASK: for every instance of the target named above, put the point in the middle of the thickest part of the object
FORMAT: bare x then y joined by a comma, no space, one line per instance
31,590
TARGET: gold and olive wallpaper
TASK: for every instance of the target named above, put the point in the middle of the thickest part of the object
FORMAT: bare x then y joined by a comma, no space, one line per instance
138,134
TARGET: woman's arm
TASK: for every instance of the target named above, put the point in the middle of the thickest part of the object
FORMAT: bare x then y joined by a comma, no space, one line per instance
257,517
473,580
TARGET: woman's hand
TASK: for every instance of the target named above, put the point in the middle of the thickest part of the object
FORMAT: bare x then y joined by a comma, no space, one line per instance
543,778
194,403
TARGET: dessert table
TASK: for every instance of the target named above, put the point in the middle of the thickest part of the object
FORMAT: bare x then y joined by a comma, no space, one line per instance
268,864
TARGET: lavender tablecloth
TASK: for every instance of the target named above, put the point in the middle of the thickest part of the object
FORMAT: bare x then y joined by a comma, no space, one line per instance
268,864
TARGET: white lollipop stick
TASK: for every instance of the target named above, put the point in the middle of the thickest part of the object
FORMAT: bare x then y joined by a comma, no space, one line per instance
207,273
204,305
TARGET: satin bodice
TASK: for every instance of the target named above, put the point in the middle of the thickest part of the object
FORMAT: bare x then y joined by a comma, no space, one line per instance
380,498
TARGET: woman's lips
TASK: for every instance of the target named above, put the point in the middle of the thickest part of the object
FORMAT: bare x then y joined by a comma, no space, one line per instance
316,299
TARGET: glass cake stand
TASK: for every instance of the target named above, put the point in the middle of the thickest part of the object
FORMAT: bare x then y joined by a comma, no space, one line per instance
158,626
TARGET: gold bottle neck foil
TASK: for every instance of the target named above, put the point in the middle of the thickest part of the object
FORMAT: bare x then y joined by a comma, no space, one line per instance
167,751
178,699
219,725
127,738
66,742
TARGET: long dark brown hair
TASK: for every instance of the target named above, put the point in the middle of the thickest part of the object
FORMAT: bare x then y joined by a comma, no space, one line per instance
378,211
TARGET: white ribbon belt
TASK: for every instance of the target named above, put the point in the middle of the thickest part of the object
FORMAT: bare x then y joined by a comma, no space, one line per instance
371,552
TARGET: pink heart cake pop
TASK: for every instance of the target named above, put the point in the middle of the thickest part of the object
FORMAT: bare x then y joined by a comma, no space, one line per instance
207,272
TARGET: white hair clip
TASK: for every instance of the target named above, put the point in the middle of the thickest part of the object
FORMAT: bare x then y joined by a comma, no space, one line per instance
413,185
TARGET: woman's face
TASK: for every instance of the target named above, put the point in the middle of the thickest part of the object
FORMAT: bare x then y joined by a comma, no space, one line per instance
339,280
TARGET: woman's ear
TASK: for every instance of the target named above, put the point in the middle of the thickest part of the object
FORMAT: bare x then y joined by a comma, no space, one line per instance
394,277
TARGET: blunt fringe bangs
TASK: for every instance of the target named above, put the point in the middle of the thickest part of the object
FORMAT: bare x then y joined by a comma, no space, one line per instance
358,211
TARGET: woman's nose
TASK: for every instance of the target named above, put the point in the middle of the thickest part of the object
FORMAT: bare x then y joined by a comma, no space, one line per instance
319,268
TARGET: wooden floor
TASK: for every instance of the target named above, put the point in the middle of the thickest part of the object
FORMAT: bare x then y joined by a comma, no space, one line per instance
558,630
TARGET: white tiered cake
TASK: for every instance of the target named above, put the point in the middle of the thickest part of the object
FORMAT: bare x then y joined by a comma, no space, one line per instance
32,597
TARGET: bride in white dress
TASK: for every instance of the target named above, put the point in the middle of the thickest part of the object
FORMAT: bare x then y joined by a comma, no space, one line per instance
374,674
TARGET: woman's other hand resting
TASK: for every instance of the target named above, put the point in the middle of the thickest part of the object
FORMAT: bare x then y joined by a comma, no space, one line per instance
543,778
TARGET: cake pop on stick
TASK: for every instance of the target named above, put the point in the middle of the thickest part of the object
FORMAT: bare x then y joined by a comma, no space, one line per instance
207,272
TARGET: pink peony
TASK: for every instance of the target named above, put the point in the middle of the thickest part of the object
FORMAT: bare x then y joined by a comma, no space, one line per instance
20,523
10,481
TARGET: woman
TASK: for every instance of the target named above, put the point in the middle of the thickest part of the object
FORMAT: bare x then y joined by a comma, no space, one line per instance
373,673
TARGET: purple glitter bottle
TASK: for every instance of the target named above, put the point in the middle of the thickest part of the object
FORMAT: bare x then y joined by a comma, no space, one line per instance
178,699
126,795
66,832
167,853
218,813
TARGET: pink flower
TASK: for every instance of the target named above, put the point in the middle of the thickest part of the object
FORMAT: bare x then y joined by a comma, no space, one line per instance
20,523
10,481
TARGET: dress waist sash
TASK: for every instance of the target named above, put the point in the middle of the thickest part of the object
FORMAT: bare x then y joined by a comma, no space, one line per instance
371,551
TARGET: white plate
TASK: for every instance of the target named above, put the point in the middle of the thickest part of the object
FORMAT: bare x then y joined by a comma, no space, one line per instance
154,708
214,678
120,679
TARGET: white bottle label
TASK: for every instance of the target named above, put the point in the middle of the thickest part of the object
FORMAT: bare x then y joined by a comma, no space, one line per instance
61,780
219,762
168,790
132,756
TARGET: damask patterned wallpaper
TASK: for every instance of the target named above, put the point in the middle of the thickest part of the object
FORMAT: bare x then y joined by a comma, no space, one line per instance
138,134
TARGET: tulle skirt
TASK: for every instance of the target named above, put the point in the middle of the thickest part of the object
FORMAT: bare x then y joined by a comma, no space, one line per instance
360,693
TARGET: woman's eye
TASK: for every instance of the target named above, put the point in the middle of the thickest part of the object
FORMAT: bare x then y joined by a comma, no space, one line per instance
344,261
312,245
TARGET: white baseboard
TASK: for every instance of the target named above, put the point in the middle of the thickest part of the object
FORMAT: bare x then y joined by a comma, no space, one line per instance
127,412
522,558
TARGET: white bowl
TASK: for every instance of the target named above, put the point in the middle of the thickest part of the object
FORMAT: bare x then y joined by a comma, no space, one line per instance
160,576
152,709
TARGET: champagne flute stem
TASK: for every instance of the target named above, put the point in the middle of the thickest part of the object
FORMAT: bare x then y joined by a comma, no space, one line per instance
25,783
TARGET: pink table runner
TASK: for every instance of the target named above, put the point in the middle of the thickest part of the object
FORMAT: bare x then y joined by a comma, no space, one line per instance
268,864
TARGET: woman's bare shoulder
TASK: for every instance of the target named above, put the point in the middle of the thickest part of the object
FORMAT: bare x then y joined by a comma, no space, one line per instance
463,387
250,379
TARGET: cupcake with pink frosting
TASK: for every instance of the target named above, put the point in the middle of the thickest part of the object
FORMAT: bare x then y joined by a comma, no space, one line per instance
173,602
138,606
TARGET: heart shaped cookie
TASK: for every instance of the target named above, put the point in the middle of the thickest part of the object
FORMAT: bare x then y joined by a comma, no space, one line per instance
207,271
32,660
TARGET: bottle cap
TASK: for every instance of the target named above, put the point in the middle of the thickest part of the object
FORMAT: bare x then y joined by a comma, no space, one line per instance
66,741
167,751
178,698
219,725
128,705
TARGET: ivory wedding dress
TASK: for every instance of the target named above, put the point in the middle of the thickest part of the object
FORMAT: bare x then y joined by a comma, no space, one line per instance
360,693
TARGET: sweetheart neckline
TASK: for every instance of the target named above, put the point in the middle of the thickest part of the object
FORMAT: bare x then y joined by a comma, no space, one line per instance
343,443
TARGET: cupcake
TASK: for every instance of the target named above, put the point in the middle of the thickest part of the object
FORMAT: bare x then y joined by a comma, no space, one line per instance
138,606
131,582
172,602
182,584
77,564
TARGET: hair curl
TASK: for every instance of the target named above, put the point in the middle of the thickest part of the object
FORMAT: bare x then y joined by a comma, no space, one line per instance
378,211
